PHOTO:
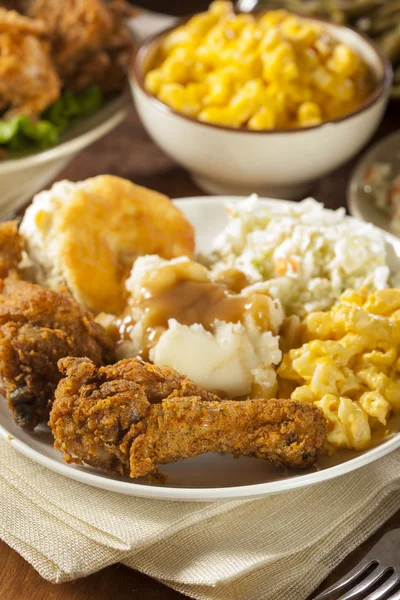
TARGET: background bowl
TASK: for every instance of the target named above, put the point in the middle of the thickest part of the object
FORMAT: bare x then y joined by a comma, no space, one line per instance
361,203
21,178
281,163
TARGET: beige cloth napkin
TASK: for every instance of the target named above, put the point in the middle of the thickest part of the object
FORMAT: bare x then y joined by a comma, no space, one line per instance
276,548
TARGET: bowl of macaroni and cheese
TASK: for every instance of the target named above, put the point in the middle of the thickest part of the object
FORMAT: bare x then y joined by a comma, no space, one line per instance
261,103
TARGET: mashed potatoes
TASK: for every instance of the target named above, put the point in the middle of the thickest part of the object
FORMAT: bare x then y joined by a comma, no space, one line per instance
177,316
232,359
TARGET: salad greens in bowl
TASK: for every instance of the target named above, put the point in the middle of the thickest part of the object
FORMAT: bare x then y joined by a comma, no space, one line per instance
63,72
23,134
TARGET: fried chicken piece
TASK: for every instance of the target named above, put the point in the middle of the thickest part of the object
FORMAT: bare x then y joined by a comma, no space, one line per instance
91,43
37,328
283,432
158,382
108,419
108,66
28,80
11,247
11,20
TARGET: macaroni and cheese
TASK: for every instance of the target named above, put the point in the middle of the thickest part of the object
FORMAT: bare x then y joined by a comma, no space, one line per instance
349,365
276,70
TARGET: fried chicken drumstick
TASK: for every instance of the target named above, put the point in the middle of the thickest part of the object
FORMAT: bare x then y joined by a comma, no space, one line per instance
132,417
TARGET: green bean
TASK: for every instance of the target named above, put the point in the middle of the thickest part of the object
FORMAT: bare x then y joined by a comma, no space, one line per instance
390,8
396,75
395,93
355,9
390,44
383,25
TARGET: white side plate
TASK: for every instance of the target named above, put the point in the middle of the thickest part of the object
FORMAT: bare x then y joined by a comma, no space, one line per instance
361,204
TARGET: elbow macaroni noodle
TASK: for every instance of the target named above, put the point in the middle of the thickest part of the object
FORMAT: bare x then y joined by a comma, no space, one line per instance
273,71
349,365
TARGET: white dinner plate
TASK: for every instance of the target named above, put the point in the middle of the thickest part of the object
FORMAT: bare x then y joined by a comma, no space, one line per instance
213,476
361,203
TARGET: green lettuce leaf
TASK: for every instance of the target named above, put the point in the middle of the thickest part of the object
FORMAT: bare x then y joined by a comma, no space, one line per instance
23,133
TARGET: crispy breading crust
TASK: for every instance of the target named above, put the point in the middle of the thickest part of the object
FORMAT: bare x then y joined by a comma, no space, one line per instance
121,419
12,245
283,432
11,20
91,43
49,44
28,80
37,328
158,382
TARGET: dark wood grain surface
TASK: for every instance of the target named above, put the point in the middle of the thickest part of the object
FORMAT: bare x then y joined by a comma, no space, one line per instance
129,152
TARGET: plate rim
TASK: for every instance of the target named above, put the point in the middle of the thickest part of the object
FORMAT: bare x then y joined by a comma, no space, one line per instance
199,494
195,494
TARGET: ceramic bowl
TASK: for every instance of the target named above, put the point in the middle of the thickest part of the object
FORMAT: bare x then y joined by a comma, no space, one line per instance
21,178
280,163
361,202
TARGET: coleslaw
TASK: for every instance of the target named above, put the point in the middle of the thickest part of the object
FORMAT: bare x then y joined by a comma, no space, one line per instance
307,254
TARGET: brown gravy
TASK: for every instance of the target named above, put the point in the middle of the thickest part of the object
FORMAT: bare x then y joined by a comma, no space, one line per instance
192,302
177,294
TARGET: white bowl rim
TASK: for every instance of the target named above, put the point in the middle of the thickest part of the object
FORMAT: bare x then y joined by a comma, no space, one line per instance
197,494
380,89
118,108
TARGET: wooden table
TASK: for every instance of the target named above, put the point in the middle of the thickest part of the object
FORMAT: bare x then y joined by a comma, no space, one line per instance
129,152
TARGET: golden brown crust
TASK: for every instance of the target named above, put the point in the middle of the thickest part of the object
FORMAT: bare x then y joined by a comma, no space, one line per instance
283,432
49,44
12,21
131,417
158,382
11,247
38,327
139,221
91,43
28,80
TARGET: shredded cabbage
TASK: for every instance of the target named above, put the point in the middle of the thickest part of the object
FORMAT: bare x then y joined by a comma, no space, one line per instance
307,254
